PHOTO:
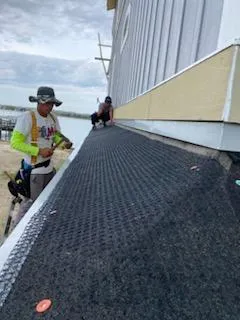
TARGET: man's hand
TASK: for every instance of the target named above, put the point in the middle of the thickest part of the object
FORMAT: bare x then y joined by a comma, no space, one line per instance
68,144
45,152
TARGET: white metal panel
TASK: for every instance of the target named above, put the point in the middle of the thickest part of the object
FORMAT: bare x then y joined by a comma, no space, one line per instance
124,72
174,38
210,27
133,56
150,46
188,40
139,45
132,51
146,37
163,48
164,37
111,88
116,83
230,138
230,23
156,42
197,30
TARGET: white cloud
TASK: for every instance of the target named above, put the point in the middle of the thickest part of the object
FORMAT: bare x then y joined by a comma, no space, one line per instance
31,69
67,30
47,43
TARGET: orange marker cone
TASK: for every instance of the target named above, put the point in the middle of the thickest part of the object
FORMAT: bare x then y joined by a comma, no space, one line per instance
43,305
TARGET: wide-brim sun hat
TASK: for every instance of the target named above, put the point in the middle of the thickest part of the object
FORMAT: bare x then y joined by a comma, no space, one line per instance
44,95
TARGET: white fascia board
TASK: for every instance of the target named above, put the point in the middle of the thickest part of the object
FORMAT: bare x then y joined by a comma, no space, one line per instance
230,137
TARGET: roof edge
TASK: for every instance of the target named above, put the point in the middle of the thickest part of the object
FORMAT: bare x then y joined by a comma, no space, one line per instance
111,4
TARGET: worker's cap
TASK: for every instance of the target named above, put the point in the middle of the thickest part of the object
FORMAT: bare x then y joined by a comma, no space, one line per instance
108,99
44,95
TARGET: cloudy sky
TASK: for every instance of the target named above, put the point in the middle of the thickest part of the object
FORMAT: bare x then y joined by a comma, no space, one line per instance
49,42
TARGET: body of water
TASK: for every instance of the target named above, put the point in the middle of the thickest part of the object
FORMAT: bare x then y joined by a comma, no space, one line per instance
73,128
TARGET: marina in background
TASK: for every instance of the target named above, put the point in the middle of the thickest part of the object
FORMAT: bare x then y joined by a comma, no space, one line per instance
9,109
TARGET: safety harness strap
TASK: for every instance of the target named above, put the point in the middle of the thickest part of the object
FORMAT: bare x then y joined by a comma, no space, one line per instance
34,135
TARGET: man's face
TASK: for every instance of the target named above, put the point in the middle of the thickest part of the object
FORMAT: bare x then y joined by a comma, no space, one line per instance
45,108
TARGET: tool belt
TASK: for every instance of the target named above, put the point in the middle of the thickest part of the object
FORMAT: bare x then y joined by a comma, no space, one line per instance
21,183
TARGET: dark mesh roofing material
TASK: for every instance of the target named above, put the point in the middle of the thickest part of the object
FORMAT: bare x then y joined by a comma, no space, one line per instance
136,235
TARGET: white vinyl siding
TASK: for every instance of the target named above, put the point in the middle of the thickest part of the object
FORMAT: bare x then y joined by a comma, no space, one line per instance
163,37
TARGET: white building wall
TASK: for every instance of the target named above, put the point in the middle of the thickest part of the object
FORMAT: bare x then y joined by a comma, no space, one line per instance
149,45
157,35
190,30
163,37
138,45
210,27
165,34
147,8
174,38
230,23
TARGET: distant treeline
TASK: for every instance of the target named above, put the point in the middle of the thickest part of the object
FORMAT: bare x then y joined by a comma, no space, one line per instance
58,112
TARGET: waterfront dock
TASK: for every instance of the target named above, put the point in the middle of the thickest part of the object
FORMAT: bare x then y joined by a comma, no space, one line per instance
134,229
6,128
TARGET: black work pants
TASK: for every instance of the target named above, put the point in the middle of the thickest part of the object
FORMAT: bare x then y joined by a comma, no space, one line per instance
104,117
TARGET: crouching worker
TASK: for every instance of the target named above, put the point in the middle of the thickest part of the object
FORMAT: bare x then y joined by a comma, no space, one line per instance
105,113
36,134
